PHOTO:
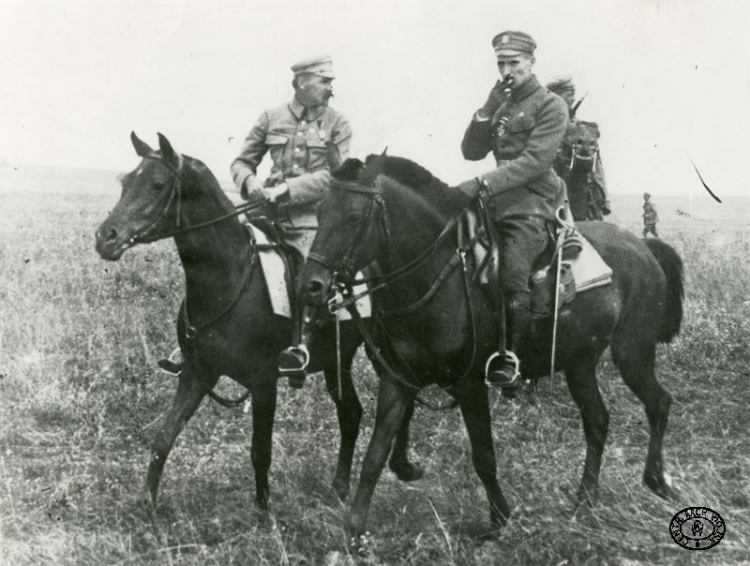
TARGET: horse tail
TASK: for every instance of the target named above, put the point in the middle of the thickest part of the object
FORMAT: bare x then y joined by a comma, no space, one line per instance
671,265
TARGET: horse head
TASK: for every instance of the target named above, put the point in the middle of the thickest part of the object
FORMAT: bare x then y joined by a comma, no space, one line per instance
347,238
579,150
381,211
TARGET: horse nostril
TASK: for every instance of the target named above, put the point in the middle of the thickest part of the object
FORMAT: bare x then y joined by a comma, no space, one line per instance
315,288
111,235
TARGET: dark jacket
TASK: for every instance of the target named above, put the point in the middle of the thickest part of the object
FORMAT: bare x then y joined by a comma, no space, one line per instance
524,135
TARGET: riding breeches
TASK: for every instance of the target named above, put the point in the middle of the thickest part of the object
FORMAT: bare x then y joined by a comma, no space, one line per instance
522,241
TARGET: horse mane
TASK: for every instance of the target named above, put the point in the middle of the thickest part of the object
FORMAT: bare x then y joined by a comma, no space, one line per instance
413,175
204,174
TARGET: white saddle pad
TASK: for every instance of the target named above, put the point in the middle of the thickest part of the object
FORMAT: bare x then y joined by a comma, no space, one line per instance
589,269
273,271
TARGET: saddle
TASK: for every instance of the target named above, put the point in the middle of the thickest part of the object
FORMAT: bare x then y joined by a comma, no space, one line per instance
280,264
582,268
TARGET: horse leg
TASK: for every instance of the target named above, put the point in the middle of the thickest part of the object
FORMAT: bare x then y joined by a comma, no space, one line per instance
264,410
581,378
475,409
636,364
349,411
391,406
190,393
399,462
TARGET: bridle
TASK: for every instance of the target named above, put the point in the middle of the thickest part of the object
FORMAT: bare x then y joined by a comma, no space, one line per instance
145,236
575,155
375,211
175,195
342,277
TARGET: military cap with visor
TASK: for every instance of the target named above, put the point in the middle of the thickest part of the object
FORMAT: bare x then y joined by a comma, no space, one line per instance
321,66
513,43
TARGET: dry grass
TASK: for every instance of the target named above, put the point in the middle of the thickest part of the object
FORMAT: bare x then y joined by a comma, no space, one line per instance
78,342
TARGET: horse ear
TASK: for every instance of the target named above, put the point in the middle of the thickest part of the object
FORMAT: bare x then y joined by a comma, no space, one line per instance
142,149
167,152
385,150
349,170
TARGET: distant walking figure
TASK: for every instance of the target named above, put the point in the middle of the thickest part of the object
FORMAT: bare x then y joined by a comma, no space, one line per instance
650,218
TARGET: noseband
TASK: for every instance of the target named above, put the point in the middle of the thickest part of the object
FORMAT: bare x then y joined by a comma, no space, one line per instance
376,211
575,155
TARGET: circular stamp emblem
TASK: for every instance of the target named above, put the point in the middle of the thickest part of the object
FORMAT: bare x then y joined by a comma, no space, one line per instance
697,528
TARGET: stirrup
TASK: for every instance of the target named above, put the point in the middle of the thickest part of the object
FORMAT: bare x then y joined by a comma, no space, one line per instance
507,356
299,352
172,364
296,359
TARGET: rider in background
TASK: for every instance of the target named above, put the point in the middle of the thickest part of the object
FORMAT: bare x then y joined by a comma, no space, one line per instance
563,86
523,125
305,139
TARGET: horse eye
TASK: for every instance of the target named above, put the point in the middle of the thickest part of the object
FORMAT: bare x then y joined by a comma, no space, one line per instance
158,186
354,218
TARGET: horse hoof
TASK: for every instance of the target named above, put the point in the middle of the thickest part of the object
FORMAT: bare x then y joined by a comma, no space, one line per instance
586,497
659,487
339,492
361,544
406,471
261,503
146,499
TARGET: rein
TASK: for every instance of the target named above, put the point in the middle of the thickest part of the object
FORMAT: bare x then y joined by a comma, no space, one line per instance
349,302
411,266
576,156
191,331
175,193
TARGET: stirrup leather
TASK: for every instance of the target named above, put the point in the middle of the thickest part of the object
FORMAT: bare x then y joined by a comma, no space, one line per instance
507,355
301,351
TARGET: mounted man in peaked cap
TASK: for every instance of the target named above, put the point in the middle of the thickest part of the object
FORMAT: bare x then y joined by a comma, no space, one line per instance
305,139
523,125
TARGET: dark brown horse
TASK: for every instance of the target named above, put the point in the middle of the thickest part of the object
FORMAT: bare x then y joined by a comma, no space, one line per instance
575,164
226,325
437,328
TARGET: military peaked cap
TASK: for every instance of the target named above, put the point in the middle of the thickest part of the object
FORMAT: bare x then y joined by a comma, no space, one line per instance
512,43
561,83
322,66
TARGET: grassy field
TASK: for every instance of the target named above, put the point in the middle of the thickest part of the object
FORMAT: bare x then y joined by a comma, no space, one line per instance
78,342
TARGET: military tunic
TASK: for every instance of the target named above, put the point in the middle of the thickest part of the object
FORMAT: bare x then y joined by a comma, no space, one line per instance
523,191
295,137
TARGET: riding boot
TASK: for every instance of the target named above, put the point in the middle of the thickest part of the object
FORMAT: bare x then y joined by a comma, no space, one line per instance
503,368
519,318
293,361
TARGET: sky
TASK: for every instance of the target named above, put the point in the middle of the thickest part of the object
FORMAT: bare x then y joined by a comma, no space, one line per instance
667,80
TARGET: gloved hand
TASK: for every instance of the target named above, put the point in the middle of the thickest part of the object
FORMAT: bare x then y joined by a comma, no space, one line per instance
494,100
470,188
252,189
